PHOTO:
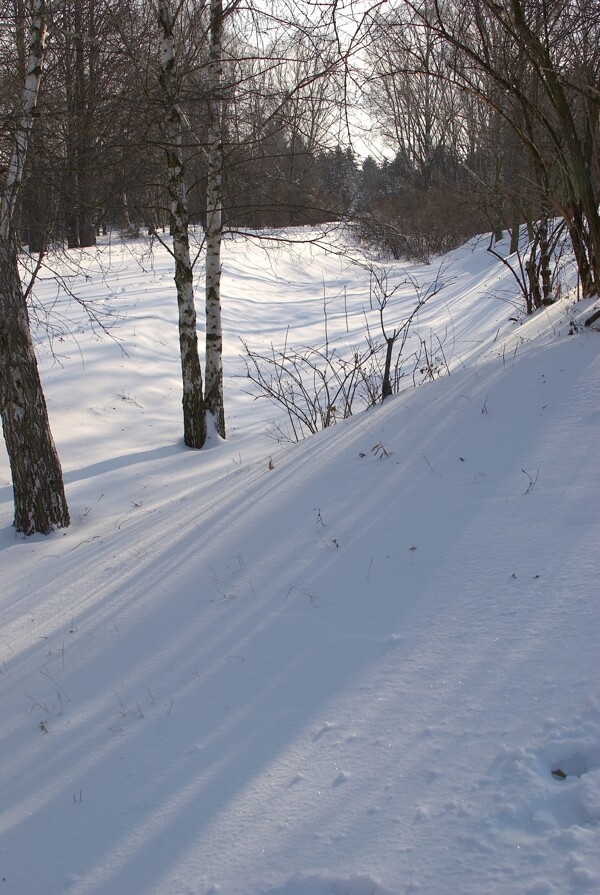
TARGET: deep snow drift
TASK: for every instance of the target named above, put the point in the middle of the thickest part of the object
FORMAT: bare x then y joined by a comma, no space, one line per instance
343,667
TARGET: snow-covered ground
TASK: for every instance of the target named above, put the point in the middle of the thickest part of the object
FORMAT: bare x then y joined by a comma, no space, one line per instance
346,666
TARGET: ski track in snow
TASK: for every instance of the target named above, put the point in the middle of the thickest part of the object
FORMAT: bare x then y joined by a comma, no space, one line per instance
344,667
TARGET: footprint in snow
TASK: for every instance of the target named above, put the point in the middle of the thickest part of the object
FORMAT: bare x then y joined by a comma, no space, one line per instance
341,778
325,729
297,779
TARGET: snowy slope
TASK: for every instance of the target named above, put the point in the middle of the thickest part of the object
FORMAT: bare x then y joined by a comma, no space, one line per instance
349,674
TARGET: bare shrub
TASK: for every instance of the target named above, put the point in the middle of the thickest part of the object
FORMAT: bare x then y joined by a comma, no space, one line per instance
315,386
536,267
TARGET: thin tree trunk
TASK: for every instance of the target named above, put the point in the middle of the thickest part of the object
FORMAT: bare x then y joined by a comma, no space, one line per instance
70,187
35,205
40,503
214,224
545,256
83,115
516,196
498,194
386,387
574,219
194,413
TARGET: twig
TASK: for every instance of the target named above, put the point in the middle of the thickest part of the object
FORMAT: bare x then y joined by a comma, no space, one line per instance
532,480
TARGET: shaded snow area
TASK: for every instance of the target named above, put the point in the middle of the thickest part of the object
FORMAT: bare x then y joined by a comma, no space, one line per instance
347,666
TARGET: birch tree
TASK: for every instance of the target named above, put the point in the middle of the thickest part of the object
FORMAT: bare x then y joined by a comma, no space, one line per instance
214,220
194,412
39,497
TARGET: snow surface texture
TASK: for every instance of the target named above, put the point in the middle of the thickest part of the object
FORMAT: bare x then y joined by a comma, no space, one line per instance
343,667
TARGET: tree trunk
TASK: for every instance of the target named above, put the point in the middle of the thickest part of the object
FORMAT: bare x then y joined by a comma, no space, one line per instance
577,232
194,413
214,225
516,197
545,258
386,386
498,192
40,504
85,88
39,496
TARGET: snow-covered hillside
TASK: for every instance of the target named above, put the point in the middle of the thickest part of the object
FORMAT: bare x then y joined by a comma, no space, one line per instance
347,666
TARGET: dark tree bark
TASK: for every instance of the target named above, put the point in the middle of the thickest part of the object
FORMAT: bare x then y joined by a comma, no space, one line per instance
40,503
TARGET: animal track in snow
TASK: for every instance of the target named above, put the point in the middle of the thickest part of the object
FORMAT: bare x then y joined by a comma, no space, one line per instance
324,729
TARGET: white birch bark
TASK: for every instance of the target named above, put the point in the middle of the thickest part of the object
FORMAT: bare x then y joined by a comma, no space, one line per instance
214,224
194,414
39,497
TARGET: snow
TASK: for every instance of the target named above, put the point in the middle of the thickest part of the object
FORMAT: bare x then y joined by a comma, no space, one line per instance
347,666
